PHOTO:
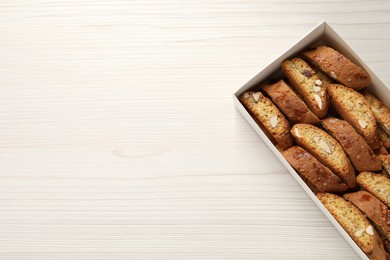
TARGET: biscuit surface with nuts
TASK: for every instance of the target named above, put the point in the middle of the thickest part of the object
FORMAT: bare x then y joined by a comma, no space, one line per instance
326,149
269,116
354,222
353,108
374,209
304,79
338,67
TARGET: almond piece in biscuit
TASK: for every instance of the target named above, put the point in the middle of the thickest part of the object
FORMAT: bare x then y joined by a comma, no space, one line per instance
323,79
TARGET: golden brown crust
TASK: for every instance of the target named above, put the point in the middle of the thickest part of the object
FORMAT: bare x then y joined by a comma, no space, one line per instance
360,153
289,103
269,116
338,67
323,179
326,149
308,85
353,107
355,224
376,184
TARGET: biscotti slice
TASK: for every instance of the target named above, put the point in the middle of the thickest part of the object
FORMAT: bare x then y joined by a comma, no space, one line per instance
377,212
376,184
338,67
373,208
353,107
360,153
326,149
381,113
289,103
308,85
269,116
323,179
385,160
355,224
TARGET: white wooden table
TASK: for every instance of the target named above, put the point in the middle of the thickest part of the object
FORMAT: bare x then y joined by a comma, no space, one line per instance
119,139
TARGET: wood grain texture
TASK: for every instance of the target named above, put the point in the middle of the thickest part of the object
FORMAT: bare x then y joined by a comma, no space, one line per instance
119,139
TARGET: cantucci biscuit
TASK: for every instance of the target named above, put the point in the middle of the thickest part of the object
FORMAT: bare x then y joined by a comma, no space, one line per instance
308,85
374,209
269,116
356,225
326,149
338,67
353,107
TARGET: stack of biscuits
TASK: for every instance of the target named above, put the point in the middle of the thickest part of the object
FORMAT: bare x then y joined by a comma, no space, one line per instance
336,135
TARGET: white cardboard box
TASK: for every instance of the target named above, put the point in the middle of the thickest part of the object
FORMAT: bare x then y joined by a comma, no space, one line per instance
321,34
